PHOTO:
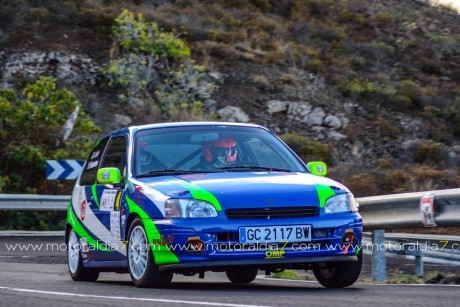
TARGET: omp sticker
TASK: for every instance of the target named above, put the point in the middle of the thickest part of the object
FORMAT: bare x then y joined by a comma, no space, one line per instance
108,200
115,224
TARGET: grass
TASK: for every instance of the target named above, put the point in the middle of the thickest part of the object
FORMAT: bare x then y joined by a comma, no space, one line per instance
395,276
288,274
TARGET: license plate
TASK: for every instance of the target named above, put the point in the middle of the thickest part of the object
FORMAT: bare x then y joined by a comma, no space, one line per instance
291,233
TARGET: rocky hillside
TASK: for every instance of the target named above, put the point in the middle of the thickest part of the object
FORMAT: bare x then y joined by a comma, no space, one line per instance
372,87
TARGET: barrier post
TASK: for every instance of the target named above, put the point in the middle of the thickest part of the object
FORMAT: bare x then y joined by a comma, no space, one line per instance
378,256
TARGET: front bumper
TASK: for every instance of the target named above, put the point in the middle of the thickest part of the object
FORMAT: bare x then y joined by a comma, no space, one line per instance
254,262
217,242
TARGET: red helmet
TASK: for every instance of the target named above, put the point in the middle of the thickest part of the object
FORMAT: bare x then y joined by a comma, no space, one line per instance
220,147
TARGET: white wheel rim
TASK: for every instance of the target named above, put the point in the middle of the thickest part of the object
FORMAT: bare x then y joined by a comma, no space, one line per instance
73,252
138,252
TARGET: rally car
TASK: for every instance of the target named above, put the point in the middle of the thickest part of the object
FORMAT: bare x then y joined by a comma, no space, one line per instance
188,198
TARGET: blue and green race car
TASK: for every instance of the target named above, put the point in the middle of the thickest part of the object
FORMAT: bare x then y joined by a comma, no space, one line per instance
188,198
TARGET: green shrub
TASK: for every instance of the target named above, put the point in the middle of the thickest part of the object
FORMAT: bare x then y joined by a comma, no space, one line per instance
155,68
362,184
428,151
386,128
31,127
260,81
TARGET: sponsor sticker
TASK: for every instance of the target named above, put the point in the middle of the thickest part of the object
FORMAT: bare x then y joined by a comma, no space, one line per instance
95,154
427,210
92,164
106,175
118,200
115,224
83,209
276,253
108,200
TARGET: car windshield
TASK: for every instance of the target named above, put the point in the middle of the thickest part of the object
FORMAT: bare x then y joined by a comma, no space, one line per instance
189,149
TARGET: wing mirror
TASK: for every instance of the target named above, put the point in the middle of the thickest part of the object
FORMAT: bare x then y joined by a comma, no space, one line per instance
317,168
109,175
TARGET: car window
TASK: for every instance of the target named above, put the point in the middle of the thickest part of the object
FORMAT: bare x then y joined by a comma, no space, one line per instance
88,176
115,155
266,155
171,154
210,148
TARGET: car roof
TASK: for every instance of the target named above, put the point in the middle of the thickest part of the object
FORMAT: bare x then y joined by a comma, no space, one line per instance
180,124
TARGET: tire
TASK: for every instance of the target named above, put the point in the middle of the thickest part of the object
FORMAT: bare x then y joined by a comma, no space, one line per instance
74,260
339,274
141,263
242,276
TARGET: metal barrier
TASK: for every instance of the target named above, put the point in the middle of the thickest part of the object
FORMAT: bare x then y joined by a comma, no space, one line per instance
379,213
403,210
34,202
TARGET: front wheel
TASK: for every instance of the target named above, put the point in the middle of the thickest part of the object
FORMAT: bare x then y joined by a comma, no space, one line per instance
339,274
142,268
242,276
74,260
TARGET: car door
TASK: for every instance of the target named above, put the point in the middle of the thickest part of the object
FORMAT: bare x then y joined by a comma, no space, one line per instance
107,198
84,207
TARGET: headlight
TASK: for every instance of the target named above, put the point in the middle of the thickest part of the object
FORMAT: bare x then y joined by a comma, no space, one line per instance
189,208
341,203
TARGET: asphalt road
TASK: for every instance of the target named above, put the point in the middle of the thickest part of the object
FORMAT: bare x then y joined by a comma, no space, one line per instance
41,278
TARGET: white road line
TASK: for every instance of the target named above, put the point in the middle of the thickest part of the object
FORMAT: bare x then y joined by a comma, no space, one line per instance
127,298
262,277
311,281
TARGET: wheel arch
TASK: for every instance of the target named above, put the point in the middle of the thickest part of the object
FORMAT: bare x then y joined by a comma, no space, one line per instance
67,231
130,220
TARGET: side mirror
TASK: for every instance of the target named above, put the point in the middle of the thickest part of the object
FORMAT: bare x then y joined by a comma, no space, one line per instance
317,168
109,175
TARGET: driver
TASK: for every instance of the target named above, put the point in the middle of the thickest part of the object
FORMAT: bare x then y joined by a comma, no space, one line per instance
220,153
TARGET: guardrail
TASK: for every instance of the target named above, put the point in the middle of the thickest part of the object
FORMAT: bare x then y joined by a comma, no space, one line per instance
34,202
403,210
380,213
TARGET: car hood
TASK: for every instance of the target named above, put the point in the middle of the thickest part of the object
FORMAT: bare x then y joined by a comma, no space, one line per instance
229,190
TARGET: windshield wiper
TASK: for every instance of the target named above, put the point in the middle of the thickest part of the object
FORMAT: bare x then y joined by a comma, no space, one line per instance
164,172
240,168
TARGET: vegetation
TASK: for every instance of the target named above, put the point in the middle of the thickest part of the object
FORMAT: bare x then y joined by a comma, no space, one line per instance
154,67
392,58
288,274
31,132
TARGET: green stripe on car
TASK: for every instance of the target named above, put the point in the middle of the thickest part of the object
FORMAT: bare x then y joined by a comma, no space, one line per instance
324,193
162,254
82,233
202,194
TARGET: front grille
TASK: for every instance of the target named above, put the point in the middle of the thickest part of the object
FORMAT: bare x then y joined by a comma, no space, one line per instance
271,213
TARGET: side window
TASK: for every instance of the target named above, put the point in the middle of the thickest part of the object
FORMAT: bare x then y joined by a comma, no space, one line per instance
266,155
115,156
88,176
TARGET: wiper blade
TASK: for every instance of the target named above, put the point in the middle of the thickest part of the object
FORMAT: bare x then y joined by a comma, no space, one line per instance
168,172
240,168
